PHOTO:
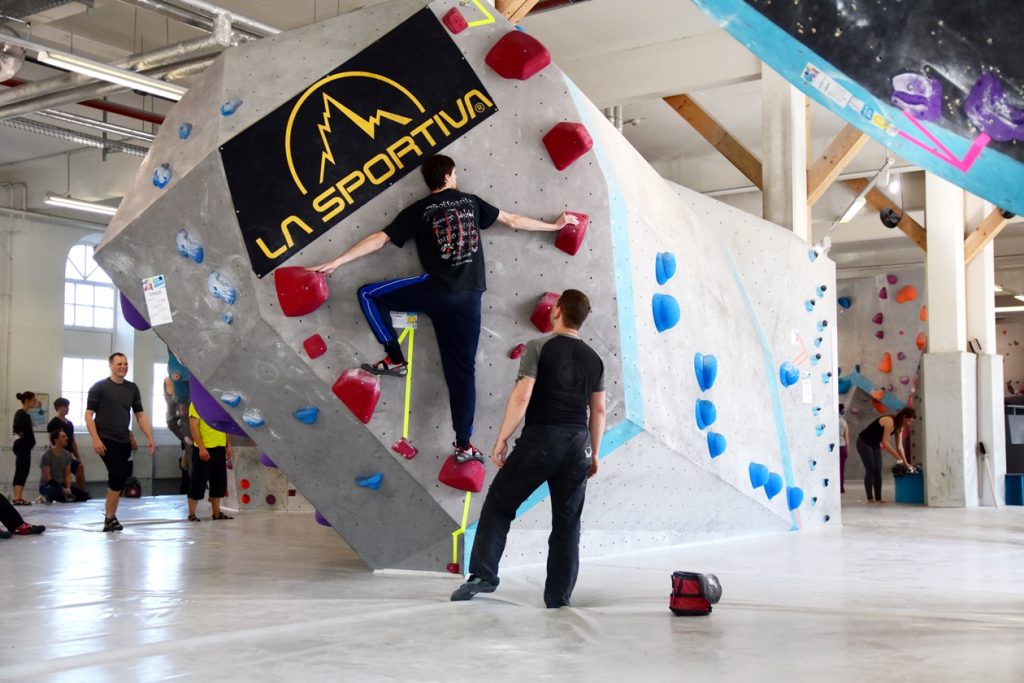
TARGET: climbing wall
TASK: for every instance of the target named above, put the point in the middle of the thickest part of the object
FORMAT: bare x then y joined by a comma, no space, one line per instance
1009,339
716,328
883,324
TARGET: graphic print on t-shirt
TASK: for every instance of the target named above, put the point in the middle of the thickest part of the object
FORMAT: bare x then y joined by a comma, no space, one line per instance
455,229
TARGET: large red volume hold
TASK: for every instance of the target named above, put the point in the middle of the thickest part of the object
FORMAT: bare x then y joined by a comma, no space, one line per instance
464,476
518,55
566,143
571,236
541,317
359,390
300,291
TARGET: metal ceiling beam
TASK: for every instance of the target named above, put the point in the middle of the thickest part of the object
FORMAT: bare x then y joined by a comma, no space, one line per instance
68,135
213,11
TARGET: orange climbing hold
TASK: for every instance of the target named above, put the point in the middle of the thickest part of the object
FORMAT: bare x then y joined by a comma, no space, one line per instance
878,394
886,364
359,390
924,314
541,317
879,407
464,476
566,143
908,293
518,55
922,341
300,291
571,236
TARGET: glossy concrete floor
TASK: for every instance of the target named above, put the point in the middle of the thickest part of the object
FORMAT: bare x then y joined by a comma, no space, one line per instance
897,593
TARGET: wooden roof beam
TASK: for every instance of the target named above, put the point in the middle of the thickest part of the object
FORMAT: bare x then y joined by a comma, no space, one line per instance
721,139
833,161
514,10
986,231
878,201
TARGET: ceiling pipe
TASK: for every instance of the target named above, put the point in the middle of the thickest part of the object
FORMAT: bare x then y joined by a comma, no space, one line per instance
221,38
212,11
182,16
107,106
67,135
86,122
96,90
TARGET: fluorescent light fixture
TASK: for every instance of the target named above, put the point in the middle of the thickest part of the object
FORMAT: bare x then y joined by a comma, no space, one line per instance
997,289
80,204
854,208
1009,309
94,69
1019,297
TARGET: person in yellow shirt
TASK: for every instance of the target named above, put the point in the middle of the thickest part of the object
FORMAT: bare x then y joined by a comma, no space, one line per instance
210,452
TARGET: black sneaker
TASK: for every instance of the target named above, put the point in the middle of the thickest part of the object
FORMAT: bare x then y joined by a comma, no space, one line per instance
468,453
4,533
386,367
112,525
475,585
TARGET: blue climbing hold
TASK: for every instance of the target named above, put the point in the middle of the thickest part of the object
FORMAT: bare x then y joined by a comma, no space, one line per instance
666,311
253,417
221,288
831,447
813,465
821,291
788,374
815,359
773,485
188,246
844,302
812,255
232,398
814,500
819,430
162,176
822,325
228,318
706,413
307,415
758,475
826,377
809,305
230,107
816,410
818,341
664,266
371,482
845,384
706,369
716,444
794,497
184,130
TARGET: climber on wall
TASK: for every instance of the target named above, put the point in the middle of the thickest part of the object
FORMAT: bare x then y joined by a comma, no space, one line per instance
446,227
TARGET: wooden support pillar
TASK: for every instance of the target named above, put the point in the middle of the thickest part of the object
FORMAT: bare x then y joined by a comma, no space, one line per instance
514,10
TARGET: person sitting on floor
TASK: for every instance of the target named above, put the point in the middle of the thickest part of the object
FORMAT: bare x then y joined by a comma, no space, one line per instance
55,472
61,421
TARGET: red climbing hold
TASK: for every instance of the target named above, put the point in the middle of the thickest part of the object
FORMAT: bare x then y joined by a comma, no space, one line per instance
315,346
454,20
517,352
541,317
464,476
453,568
300,291
571,236
518,55
566,143
359,390
405,448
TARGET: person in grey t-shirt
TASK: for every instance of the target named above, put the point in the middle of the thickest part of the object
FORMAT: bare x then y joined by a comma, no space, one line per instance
55,469
108,418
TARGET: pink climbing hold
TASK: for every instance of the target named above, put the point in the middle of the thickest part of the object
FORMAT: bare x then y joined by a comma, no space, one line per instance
359,390
901,356
566,143
300,291
518,55
880,335
891,279
571,236
454,21
517,352
541,317
405,448
315,346
883,293
904,380
464,476
878,319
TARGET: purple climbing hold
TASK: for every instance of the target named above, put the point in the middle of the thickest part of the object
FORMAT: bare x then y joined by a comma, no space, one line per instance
883,293
917,95
267,462
880,334
988,109
132,316
211,410
891,279
878,318
904,380
901,356
320,519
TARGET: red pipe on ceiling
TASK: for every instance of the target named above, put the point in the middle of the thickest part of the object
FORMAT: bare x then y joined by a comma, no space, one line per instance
107,106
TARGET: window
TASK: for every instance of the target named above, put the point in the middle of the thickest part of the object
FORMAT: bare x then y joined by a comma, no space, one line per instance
156,408
77,376
88,291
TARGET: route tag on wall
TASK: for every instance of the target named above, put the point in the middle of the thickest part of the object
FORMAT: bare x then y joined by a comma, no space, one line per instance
404,320
157,305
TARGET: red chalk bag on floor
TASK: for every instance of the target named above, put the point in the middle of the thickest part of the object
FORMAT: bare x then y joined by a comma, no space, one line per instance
693,594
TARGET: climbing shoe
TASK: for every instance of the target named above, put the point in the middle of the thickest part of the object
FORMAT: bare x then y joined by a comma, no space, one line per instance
386,367
468,453
475,585
27,529
112,525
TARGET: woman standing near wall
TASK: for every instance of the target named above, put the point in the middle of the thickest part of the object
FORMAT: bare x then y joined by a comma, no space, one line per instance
24,442
875,438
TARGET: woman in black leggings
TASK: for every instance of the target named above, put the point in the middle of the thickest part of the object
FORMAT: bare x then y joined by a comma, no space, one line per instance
23,445
875,438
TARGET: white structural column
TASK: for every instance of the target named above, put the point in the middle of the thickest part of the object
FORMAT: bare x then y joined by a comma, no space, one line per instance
784,154
950,383
981,325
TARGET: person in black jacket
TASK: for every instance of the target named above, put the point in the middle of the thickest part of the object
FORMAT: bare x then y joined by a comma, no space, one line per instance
23,445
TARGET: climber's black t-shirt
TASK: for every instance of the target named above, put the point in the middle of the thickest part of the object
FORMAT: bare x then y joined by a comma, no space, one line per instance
446,226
